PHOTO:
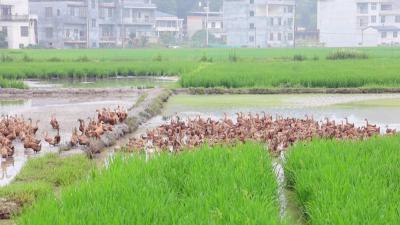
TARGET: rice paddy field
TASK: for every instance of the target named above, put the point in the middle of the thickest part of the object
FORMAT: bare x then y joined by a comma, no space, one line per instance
210,186
318,182
346,182
230,68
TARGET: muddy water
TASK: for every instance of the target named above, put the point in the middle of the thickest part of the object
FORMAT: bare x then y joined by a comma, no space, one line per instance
67,111
380,109
114,82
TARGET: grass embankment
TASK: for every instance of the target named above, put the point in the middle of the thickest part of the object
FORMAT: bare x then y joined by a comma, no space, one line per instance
347,182
209,186
241,68
41,176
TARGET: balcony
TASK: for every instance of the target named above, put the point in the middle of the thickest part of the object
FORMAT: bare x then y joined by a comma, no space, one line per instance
14,17
139,21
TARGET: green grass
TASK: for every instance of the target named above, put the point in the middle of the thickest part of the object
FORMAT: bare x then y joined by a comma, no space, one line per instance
231,68
347,182
40,176
209,186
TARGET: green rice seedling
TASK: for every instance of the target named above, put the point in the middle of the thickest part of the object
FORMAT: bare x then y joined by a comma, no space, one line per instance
352,182
208,186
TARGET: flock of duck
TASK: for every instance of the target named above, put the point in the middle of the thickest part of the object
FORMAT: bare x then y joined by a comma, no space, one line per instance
16,128
278,133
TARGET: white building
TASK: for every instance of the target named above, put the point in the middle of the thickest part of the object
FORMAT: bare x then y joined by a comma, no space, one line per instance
168,24
352,23
16,23
259,23
196,21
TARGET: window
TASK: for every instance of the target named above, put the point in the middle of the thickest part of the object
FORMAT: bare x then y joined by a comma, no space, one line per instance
383,34
279,21
271,21
383,19
290,22
373,6
397,19
48,11
362,8
93,3
251,26
271,36
82,12
290,9
4,30
71,11
251,13
251,1
101,12
127,13
24,31
279,36
373,19
251,38
290,36
58,12
110,12
93,23
49,32
395,34
213,25
386,7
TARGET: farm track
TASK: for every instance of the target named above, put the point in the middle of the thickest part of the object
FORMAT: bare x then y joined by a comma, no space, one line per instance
63,92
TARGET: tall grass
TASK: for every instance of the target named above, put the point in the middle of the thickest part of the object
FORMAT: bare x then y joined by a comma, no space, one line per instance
12,83
209,186
345,183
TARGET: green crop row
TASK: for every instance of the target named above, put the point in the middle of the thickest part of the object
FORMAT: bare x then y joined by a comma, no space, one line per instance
230,68
305,74
209,186
349,182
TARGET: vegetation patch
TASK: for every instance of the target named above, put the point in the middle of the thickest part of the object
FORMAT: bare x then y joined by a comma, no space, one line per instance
209,186
352,182
41,176
342,54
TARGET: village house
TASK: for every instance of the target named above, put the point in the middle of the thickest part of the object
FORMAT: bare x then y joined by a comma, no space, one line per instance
167,24
364,23
94,23
259,23
16,24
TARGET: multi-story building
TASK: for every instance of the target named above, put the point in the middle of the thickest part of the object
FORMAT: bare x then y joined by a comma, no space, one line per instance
93,23
259,23
168,24
352,23
196,21
16,24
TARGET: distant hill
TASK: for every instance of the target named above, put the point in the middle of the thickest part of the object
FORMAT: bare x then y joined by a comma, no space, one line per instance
306,9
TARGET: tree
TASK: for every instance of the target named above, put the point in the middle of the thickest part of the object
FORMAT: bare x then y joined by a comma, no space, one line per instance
198,39
306,15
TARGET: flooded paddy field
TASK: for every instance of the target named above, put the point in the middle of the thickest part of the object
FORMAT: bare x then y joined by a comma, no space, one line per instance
67,111
380,109
112,82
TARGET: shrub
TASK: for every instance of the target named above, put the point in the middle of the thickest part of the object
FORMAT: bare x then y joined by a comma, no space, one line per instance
233,57
342,54
299,58
54,59
26,58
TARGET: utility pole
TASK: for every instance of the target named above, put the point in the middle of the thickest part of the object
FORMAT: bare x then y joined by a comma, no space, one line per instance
294,24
